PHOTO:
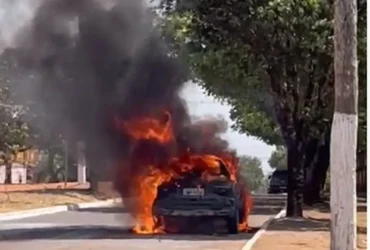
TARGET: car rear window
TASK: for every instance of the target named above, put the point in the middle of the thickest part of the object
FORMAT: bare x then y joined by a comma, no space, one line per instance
280,175
279,178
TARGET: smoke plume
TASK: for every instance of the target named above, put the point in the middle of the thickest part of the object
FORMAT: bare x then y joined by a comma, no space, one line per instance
80,63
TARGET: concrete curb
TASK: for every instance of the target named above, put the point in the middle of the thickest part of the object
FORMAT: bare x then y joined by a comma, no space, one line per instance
56,209
262,230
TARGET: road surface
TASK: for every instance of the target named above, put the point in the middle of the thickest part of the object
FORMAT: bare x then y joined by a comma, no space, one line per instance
107,228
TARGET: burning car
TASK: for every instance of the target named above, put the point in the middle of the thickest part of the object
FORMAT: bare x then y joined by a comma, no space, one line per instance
171,183
194,195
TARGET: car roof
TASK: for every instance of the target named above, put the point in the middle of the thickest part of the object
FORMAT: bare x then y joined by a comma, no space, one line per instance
280,171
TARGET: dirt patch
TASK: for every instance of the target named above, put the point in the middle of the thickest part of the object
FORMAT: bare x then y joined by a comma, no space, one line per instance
361,229
293,241
310,233
15,201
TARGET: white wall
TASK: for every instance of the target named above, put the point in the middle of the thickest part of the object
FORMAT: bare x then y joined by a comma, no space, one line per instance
19,174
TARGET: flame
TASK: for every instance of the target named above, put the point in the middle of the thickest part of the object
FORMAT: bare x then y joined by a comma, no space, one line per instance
146,190
145,183
247,199
148,129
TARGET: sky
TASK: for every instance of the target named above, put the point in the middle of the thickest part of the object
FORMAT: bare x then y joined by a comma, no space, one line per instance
15,13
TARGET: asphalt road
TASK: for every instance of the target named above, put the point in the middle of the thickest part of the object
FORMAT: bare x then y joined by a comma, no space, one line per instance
107,228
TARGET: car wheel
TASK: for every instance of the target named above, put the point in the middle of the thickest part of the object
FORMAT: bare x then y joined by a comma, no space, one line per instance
233,223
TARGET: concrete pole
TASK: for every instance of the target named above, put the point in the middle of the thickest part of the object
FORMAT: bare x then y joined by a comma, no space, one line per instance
81,163
343,146
65,163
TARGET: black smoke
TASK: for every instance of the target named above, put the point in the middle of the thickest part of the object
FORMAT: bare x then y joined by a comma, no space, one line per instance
80,63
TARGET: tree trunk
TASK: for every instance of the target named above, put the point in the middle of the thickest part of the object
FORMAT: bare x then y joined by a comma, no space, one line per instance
309,170
323,164
344,128
295,182
315,180
8,170
314,187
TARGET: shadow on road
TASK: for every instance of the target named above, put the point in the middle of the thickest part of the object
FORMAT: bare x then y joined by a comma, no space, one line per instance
112,233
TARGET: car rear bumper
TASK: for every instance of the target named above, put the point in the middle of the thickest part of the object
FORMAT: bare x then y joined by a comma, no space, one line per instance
193,212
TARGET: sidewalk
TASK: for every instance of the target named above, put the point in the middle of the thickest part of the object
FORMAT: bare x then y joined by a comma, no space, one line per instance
43,186
310,233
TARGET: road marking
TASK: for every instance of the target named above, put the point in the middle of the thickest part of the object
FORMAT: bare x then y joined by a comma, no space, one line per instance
262,230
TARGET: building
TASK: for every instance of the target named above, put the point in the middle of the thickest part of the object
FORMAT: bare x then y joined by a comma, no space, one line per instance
18,174
21,162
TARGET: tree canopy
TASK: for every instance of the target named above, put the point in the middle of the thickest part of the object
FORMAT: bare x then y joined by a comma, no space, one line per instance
235,47
30,125
14,132
22,126
278,159
251,171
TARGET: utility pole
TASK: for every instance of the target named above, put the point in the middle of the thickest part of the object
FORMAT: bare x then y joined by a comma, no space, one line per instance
344,128
81,163
66,160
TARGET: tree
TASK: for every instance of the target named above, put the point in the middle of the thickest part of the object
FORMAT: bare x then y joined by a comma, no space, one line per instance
251,172
278,159
14,132
262,47
22,124
344,131
248,52
362,76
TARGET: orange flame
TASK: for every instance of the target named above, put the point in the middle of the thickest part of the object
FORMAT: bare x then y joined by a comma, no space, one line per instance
146,191
145,184
148,129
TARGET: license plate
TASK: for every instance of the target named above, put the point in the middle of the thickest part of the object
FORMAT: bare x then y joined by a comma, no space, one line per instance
193,191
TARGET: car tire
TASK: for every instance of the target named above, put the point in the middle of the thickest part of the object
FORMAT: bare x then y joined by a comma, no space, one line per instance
233,223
